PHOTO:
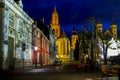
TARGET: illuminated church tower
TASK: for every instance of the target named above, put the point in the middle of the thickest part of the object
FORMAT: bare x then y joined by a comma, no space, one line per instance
113,28
55,23
74,37
98,29
62,42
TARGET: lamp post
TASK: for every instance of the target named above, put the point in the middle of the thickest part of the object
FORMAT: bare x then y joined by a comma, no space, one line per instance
35,48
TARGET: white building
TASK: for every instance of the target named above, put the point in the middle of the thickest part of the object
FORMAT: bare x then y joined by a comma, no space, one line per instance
114,48
15,35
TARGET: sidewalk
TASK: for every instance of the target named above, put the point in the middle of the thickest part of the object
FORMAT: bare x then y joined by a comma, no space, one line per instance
21,70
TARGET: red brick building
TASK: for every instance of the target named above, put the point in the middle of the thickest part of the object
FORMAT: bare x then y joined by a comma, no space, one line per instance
40,51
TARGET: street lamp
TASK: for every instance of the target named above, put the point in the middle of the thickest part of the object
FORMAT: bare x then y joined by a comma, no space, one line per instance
35,48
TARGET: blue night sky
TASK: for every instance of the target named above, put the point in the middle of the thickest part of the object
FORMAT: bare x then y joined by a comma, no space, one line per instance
73,13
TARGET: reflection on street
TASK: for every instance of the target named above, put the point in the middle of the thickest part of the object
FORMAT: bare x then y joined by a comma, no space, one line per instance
38,70
58,68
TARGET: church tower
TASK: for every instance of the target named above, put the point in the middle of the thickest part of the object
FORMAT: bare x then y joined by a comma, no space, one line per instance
55,23
113,28
98,29
74,37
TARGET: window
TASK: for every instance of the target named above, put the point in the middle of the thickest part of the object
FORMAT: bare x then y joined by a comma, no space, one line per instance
114,30
99,27
11,20
27,31
20,25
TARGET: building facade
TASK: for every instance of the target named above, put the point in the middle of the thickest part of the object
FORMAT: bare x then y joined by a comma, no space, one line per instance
15,35
113,28
99,29
112,31
74,38
62,42
42,43
106,39
53,47
40,50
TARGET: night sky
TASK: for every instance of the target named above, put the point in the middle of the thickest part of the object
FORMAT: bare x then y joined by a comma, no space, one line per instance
74,13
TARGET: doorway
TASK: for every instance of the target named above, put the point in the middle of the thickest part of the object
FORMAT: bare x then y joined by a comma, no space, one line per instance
11,53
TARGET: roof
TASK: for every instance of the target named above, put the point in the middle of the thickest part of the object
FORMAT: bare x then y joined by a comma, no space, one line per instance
74,32
63,35
99,22
113,23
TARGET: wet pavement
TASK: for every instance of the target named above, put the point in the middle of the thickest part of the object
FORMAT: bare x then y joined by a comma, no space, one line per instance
53,73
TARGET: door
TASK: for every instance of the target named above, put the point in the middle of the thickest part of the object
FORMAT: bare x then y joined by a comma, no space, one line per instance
11,53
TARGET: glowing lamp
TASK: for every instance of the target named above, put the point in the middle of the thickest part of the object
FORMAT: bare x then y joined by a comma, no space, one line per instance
35,48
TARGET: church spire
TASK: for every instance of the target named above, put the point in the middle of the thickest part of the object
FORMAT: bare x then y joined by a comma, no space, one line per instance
54,6
55,22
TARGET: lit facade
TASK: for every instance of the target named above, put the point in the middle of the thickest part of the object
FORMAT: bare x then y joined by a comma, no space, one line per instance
112,31
111,47
63,47
98,29
15,35
113,28
74,38
114,48
40,50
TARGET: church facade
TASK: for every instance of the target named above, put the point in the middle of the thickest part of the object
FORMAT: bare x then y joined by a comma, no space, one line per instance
62,42
63,47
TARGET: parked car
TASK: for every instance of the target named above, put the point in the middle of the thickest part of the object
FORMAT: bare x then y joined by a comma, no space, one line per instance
112,68
57,63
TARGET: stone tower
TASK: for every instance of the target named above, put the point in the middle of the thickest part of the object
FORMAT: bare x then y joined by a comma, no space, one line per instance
98,29
74,37
113,28
55,23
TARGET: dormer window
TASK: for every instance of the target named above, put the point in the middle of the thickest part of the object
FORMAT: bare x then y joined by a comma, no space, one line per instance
17,1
